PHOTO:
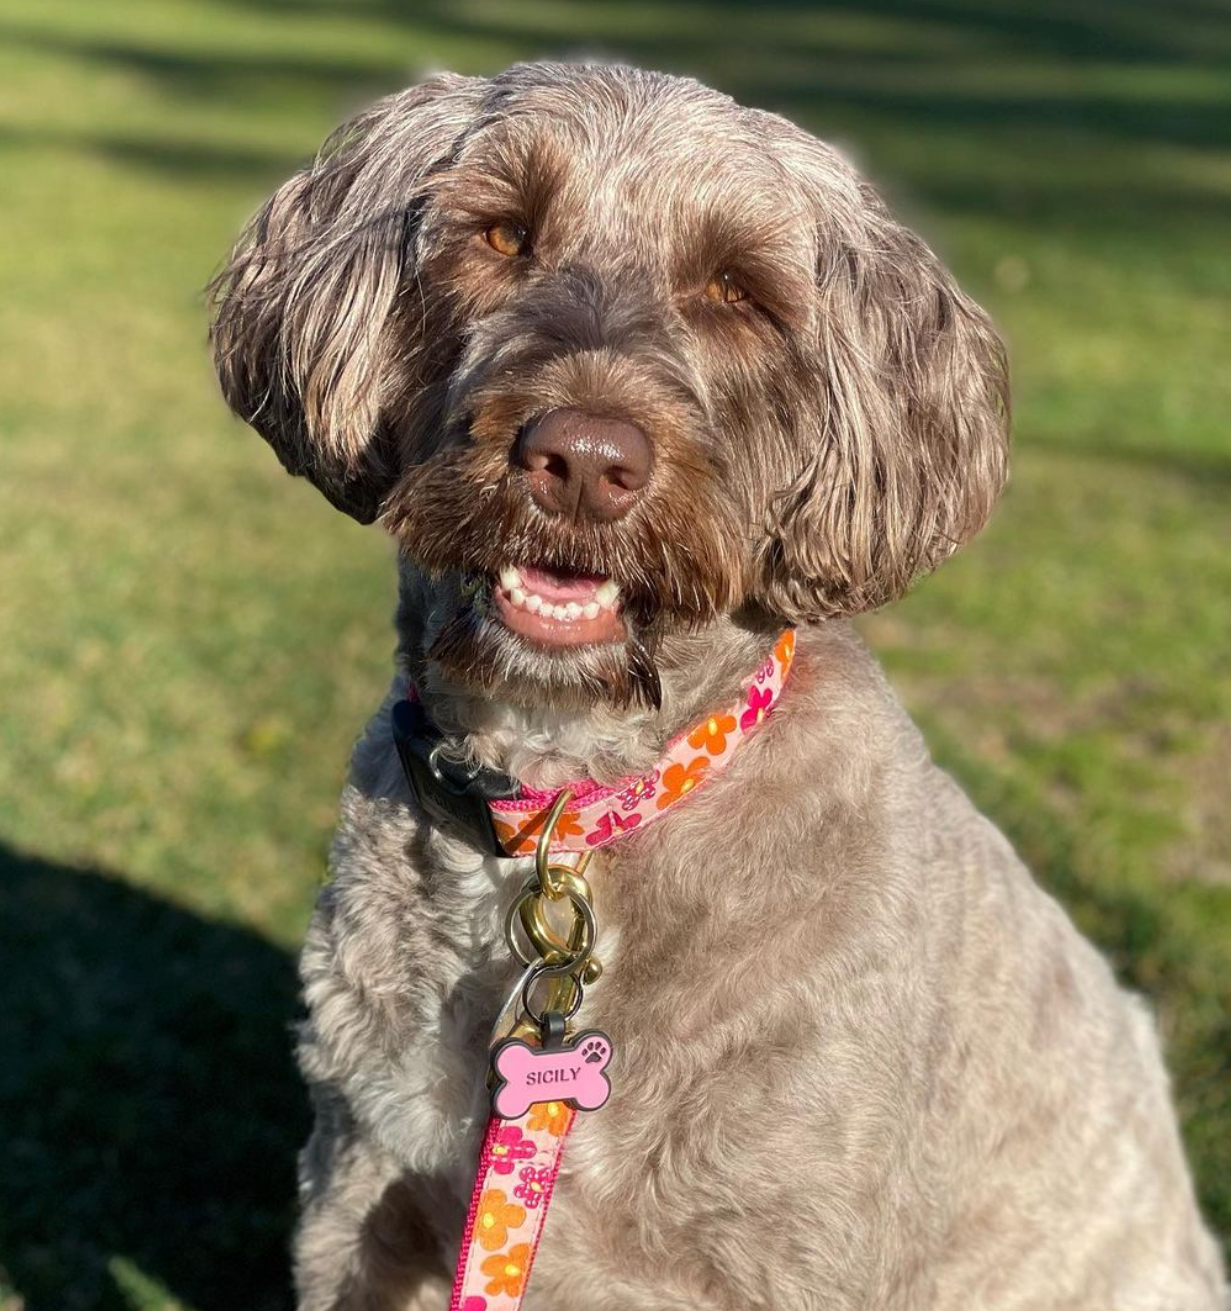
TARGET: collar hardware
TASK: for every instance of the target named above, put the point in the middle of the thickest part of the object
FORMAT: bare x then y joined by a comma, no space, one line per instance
540,1057
450,791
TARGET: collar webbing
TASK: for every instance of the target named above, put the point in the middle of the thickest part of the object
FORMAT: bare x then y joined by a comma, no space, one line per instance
506,819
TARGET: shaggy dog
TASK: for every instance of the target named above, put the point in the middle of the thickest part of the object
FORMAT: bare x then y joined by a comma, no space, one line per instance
607,334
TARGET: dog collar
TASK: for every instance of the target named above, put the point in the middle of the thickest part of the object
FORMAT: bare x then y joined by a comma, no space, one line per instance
505,819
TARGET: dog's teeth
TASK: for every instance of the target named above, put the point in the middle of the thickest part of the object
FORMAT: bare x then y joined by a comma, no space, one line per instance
568,612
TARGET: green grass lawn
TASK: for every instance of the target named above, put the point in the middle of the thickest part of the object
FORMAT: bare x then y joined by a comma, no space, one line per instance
191,640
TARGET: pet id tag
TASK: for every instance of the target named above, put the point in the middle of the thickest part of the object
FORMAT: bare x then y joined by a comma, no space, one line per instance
564,1069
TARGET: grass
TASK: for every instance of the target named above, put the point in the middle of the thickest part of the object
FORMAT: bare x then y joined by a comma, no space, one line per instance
191,639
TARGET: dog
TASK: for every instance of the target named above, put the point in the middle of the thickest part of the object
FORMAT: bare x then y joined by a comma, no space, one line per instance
648,387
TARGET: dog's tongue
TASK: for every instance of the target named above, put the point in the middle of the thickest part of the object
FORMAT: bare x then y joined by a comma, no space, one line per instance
560,587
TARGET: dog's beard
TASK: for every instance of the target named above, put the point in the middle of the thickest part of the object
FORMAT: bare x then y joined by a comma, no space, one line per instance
475,650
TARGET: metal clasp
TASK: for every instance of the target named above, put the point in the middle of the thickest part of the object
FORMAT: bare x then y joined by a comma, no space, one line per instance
564,958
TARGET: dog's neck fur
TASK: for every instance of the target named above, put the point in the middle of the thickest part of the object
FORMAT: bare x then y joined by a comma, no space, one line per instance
546,746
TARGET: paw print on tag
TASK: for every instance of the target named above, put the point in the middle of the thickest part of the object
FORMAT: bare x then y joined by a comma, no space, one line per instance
595,1050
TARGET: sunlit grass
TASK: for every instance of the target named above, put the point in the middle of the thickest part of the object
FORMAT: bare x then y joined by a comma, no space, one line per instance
191,639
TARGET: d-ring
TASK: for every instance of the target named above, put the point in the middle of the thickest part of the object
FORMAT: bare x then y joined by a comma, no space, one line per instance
542,851
542,933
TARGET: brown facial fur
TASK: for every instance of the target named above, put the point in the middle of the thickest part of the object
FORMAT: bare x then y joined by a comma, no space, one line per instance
817,444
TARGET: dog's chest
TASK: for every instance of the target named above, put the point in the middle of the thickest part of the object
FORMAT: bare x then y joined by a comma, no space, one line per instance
409,950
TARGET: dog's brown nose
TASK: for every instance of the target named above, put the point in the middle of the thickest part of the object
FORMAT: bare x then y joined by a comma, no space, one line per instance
585,466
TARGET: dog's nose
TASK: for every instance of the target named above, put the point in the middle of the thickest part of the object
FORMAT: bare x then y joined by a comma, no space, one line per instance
584,465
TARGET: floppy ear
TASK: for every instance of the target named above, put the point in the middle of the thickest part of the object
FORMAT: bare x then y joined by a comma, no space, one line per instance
300,333
909,448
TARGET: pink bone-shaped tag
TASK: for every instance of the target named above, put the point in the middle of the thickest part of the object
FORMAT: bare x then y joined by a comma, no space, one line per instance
573,1073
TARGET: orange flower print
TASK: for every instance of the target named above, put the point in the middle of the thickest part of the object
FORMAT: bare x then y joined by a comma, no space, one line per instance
506,1271
552,1116
511,839
681,779
495,1217
568,826
520,837
712,734
785,650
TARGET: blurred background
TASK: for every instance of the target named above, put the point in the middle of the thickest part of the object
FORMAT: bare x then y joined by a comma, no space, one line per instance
189,640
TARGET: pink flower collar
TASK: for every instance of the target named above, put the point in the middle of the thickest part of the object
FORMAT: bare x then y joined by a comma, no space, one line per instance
597,815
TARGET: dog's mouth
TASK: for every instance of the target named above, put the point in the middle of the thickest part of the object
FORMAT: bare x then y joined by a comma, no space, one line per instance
558,607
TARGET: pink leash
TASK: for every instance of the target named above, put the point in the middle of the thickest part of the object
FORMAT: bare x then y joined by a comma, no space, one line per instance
524,1144
517,1171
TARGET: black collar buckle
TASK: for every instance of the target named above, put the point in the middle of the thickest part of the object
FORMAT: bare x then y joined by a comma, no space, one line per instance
450,792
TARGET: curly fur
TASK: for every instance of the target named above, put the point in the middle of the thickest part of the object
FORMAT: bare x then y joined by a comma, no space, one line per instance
864,1061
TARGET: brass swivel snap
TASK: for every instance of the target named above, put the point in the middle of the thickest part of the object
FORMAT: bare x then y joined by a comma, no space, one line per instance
563,957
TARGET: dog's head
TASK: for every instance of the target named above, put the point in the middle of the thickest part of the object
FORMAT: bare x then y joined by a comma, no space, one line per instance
612,356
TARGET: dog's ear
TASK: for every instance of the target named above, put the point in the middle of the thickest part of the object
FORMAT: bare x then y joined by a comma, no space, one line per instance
300,333
909,413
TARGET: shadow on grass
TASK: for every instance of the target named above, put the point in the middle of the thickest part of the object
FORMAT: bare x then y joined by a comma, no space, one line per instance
149,1102
1208,473
860,76
182,73
1127,31
191,161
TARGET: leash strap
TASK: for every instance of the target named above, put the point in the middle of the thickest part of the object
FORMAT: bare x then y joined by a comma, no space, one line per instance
517,1172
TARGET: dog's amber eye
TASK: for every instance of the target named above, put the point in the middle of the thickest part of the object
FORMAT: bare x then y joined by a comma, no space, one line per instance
724,289
507,237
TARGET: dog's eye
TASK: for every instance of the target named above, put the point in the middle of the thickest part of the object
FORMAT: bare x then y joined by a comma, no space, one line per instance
507,237
724,289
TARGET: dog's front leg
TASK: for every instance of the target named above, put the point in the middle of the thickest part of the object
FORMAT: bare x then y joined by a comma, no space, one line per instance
364,1242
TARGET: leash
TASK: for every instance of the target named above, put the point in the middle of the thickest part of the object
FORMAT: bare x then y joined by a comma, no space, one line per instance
540,1058
541,1072
502,1236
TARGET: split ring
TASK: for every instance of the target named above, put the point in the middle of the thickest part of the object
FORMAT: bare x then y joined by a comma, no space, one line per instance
532,977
